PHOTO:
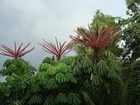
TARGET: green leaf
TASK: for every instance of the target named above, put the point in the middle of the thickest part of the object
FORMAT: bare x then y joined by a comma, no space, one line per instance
50,101
86,63
112,74
115,66
51,84
96,80
48,60
44,67
76,69
42,75
70,77
51,70
62,67
35,99
68,60
61,98
60,77
36,88
102,67
17,102
74,99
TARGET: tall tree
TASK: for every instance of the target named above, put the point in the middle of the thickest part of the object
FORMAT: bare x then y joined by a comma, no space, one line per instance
99,21
131,54
131,27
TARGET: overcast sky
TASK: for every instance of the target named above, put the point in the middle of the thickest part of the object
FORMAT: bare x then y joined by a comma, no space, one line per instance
34,20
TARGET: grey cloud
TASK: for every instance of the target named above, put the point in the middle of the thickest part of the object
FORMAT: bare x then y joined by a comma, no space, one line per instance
32,20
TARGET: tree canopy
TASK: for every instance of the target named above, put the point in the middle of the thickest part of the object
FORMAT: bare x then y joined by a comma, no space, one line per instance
102,72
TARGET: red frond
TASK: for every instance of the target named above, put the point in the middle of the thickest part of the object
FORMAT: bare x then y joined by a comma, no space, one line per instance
58,49
90,39
17,52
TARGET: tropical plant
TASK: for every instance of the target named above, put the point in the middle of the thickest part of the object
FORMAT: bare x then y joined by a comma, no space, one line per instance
100,21
58,49
103,70
96,41
54,85
17,52
17,74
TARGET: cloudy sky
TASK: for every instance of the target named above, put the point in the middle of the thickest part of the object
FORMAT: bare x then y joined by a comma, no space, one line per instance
34,20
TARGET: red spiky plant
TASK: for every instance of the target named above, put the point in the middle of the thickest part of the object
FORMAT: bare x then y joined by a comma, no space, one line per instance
96,40
17,52
58,49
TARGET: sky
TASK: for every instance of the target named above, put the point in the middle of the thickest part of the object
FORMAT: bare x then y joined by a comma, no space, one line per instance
33,20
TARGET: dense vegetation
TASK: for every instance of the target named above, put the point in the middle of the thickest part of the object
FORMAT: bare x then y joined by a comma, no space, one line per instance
102,72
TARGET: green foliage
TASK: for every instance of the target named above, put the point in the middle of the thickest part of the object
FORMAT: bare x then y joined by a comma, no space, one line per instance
112,79
68,60
49,60
17,67
18,73
54,80
43,67
51,84
131,32
35,100
60,77
133,5
100,20
62,67
73,99
96,80
50,101
61,98
81,64
131,84
102,67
